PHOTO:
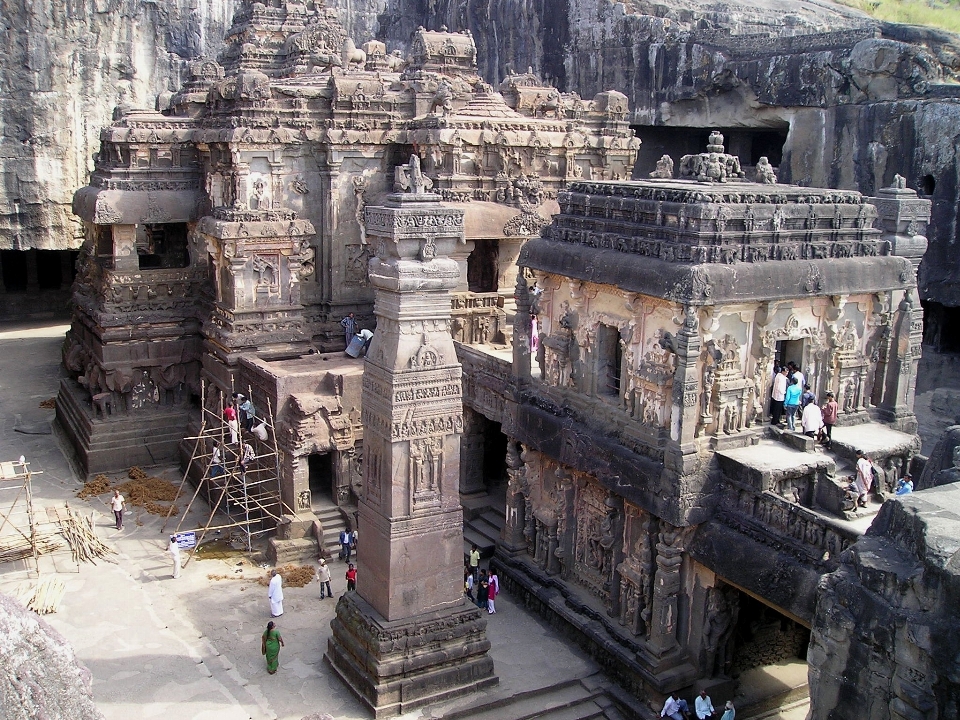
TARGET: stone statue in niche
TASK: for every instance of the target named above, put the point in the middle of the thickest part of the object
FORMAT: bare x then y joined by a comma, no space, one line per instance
266,272
664,168
722,610
765,172
258,196
410,178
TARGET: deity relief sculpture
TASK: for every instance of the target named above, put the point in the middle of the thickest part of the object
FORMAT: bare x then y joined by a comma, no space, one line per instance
664,169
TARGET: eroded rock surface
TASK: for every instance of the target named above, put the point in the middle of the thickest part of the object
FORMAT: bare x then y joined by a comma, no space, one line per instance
886,635
40,677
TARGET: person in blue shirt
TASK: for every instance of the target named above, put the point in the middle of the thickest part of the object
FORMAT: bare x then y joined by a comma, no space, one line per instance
904,485
791,401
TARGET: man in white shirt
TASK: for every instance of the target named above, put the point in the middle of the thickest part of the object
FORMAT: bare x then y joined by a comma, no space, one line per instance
674,708
116,504
776,396
275,593
703,706
174,549
812,419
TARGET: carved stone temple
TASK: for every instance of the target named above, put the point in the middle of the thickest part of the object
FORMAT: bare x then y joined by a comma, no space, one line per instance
225,233
408,637
569,368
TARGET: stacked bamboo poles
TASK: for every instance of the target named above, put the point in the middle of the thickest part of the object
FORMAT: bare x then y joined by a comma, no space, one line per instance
19,548
46,599
82,538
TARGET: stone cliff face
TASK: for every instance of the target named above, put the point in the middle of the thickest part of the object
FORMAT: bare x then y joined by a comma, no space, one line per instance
856,100
885,640
63,68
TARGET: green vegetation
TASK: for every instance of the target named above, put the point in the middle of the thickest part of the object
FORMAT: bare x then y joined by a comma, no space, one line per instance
944,15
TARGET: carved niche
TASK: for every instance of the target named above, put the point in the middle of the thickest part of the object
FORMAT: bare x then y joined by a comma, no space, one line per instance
637,570
595,539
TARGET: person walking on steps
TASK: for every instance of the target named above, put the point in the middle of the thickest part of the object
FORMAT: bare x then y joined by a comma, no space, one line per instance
791,401
270,644
474,562
830,410
346,540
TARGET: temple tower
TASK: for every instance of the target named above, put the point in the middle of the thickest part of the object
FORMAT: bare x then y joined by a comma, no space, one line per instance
407,637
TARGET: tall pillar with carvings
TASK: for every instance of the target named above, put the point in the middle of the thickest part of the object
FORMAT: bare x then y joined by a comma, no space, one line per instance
407,637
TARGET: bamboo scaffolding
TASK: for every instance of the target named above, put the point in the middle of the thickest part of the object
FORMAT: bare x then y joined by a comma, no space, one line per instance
20,522
244,496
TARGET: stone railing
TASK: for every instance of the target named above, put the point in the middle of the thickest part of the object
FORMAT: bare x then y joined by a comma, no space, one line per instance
478,319
786,526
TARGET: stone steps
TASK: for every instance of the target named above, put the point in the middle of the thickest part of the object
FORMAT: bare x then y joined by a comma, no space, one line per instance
482,524
332,522
571,700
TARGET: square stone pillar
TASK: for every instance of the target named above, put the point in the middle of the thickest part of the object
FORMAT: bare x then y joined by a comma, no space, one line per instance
407,637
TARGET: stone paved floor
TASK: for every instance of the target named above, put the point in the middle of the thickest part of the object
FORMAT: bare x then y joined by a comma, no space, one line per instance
189,648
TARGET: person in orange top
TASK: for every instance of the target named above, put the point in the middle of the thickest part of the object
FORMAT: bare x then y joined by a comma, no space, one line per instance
351,576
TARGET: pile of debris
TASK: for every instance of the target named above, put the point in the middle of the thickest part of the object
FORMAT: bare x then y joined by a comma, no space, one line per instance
293,575
142,490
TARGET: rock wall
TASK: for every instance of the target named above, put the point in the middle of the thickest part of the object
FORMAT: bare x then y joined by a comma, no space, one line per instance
885,640
860,100
64,66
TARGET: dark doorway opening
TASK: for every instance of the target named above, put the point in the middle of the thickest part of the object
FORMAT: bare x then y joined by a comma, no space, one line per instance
14,270
321,475
482,269
789,351
162,246
49,265
764,636
494,455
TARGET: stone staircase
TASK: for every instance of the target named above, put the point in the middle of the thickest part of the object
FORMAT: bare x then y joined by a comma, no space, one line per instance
584,699
482,522
332,521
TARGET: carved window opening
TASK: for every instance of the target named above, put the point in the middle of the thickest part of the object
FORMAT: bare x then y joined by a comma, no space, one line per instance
103,244
482,268
162,246
610,360
748,144
14,264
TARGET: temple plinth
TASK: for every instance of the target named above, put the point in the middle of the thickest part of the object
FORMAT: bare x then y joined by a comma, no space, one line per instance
407,637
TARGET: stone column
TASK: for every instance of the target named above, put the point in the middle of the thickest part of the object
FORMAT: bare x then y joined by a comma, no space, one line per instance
681,452
125,249
407,638
521,330
512,538
471,452
904,218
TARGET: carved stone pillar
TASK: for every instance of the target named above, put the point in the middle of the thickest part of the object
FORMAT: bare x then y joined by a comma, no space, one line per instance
898,399
512,539
407,638
471,452
522,330
666,588
681,453
125,257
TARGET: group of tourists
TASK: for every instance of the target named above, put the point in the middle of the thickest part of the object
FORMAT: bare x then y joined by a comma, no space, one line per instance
792,399
676,708
480,586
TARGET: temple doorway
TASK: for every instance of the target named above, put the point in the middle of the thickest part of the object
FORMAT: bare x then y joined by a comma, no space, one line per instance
321,477
767,657
789,351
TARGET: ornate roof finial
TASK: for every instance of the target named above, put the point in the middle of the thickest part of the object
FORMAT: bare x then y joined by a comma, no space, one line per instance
715,142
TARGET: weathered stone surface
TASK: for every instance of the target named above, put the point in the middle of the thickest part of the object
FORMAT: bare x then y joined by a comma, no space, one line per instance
886,634
41,677
64,68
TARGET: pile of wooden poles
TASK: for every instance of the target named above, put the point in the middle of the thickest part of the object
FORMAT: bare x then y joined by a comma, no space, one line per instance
83,541
47,597
18,547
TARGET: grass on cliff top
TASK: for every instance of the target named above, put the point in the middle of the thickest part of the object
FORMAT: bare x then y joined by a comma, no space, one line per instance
943,15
